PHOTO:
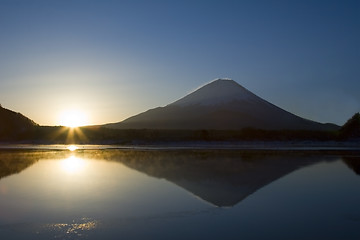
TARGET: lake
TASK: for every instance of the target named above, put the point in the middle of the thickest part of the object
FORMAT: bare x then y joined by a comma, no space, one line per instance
179,194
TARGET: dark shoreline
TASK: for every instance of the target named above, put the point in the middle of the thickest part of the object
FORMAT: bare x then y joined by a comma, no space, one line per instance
199,145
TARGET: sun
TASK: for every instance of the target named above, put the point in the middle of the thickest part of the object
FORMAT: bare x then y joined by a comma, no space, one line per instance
73,118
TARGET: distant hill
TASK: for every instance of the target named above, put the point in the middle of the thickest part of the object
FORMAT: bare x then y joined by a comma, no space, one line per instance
13,123
222,104
351,129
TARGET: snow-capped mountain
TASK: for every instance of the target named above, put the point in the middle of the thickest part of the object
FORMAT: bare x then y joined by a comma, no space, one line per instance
220,104
217,92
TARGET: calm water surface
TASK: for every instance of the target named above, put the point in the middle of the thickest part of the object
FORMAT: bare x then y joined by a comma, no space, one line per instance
179,194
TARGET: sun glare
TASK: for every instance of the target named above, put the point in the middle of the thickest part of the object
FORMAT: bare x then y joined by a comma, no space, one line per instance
72,148
73,165
73,118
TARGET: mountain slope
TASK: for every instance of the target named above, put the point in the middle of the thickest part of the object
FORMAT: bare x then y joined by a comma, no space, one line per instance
13,123
221,104
351,129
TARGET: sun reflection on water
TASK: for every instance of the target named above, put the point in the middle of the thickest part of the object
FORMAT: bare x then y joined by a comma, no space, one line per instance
73,165
72,148
74,230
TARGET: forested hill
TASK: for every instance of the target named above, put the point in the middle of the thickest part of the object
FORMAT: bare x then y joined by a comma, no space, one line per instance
13,123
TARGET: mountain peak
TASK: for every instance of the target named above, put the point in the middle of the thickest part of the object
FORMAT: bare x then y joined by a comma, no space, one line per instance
222,79
217,92
219,104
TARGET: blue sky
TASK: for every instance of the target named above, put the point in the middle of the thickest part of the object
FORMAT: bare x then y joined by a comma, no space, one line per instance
114,59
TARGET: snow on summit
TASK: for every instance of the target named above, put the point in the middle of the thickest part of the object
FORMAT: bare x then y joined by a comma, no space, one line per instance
221,104
217,92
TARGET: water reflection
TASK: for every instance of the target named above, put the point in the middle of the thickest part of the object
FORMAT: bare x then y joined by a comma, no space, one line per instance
137,194
222,178
72,148
73,165
75,230
15,161
353,162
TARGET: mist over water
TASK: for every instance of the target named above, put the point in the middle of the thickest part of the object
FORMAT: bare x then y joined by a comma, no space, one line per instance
178,194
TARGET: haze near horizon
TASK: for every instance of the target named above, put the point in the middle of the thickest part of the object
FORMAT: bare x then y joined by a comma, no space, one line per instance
110,60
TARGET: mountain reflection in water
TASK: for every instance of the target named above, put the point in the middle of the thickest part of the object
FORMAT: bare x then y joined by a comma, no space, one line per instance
222,178
353,162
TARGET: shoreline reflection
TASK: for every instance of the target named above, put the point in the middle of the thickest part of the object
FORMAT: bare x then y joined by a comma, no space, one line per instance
111,194
221,178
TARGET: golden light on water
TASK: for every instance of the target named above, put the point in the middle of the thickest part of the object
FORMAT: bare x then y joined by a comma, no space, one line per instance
73,165
73,118
74,229
72,148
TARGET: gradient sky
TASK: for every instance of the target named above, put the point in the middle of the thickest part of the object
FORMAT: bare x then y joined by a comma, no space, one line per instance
114,59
